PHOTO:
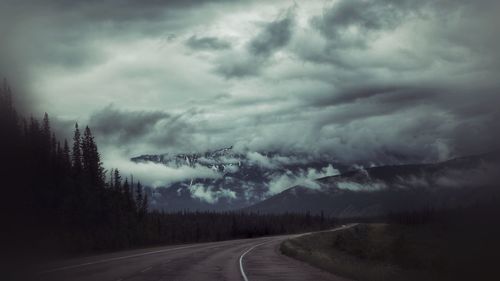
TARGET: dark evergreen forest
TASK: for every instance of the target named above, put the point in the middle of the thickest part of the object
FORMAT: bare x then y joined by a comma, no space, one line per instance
57,196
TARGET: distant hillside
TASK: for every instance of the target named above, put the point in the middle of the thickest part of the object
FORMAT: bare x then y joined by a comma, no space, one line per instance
379,190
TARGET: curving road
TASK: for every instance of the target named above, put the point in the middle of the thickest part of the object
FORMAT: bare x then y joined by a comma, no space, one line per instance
245,259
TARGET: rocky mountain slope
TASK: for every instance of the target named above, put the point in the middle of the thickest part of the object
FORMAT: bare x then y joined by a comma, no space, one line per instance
237,179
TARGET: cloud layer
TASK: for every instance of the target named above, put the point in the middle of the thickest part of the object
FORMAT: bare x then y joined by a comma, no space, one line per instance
304,178
368,82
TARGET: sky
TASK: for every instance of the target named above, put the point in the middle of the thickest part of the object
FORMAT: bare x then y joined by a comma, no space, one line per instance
361,81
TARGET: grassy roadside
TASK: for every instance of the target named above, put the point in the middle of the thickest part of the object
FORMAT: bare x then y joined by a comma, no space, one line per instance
397,252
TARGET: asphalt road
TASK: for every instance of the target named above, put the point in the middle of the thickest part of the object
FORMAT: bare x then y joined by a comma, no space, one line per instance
245,259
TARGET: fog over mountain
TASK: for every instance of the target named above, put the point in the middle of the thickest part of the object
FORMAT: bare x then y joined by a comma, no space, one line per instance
227,179
356,82
460,182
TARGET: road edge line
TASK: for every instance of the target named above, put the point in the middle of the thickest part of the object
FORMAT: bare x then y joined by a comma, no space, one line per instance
242,271
113,259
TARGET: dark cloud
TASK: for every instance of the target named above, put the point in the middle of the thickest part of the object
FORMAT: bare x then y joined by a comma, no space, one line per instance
70,35
349,23
350,26
274,36
115,10
145,131
239,65
123,126
207,43
363,81
399,95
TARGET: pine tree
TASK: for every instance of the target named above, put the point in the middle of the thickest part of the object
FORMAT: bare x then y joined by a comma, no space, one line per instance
59,152
76,156
33,140
92,165
53,149
138,196
46,133
86,154
66,161
8,115
111,183
117,179
127,194
144,206
45,137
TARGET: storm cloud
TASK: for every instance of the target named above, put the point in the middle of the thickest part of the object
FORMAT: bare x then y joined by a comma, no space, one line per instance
275,35
366,82
200,43
352,23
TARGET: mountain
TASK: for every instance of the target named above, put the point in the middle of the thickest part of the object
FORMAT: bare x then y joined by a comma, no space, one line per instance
226,179
380,190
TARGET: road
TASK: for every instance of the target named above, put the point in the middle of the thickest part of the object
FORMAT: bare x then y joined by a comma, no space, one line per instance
245,259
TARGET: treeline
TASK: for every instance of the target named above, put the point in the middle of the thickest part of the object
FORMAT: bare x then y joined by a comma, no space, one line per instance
183,227
58,196
59,189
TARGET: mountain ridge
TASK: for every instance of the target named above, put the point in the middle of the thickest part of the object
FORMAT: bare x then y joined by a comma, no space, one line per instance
241,179
393,188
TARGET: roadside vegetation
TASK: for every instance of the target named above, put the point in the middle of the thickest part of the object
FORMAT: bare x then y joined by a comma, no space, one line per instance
461,244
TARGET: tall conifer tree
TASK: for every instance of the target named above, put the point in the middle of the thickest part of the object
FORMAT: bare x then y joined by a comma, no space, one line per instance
76,157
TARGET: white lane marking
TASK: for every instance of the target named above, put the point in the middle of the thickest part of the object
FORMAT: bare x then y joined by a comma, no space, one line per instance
308,233
146,269
114,259
246,252
329,230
